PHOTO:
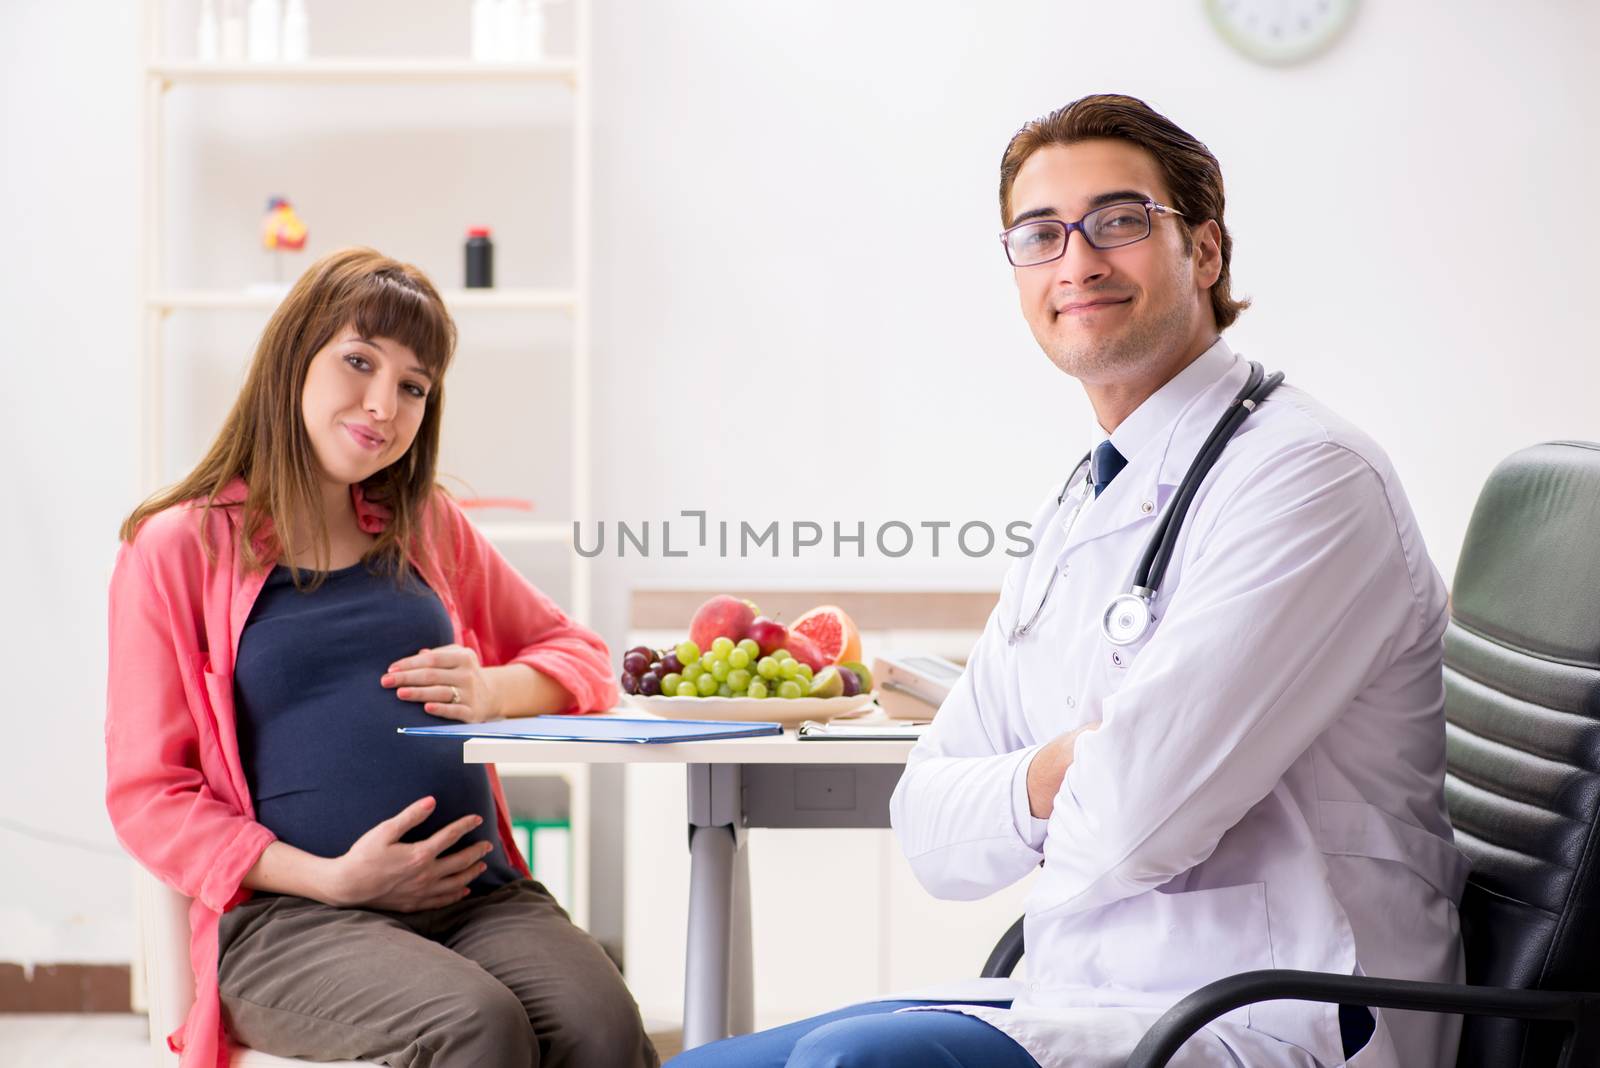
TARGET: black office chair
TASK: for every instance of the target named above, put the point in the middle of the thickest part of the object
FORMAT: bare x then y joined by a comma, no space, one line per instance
1522,705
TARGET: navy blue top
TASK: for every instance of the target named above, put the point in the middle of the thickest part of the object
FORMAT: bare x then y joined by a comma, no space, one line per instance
317,729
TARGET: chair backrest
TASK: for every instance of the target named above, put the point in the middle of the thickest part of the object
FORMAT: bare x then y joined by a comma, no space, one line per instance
163,918
1522,685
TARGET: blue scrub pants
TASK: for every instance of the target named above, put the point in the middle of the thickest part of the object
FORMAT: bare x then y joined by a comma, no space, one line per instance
869,1035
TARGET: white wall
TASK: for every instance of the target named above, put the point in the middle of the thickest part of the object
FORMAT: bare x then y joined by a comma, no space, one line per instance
753,358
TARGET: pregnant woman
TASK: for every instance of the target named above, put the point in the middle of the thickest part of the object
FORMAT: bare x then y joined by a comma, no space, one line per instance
274,618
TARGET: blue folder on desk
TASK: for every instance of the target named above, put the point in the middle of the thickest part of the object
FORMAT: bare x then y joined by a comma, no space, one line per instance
601,729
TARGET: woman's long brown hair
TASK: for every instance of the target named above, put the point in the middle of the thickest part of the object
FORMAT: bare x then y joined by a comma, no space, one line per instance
264,440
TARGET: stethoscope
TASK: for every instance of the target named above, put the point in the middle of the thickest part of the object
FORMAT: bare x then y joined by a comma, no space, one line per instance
1127,618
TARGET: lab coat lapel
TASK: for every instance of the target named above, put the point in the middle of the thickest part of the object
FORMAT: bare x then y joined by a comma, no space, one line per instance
1133,497
1140,494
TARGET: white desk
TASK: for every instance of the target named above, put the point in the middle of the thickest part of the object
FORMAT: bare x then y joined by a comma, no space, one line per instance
735,784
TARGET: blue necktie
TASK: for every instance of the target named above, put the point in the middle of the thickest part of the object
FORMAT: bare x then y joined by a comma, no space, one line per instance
1104,465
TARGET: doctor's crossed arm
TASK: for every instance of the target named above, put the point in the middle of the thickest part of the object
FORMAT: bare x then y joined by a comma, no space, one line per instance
1295,590
1048,768
961,810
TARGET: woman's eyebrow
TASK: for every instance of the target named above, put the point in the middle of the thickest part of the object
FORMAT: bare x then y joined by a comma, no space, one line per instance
370,343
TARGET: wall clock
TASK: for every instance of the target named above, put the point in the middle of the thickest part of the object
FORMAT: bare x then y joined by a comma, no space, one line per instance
1280,32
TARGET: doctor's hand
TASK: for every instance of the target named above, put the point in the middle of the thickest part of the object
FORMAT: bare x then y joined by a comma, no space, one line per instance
449,682
1048,768
381,872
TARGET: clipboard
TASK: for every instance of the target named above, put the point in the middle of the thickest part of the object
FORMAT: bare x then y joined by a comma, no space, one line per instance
813,731
600,729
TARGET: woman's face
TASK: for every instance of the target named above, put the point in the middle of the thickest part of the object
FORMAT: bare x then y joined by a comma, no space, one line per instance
363,401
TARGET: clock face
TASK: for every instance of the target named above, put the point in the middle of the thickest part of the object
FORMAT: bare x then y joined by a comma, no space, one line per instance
1280,31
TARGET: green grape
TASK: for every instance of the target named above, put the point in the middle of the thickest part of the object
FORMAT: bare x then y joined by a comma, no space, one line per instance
804,670
758,689
719,670
688,689
751,649
669,682
692,672
722,646
688,652
777,654
789,689
706,684
739,659
724,690
789,669
767,667
739,678
708,658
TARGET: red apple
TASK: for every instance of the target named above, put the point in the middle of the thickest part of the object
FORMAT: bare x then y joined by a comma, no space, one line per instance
805,650
720,617
769,634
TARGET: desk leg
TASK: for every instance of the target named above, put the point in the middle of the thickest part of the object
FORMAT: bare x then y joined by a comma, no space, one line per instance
741,994
718,944
705,982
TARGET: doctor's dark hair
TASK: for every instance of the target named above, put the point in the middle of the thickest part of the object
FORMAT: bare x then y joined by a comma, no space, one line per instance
1191,172
263,439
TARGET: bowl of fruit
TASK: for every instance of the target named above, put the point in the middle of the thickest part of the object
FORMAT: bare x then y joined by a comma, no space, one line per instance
737,664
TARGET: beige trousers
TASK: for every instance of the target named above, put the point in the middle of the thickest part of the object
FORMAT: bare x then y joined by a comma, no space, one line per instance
502,979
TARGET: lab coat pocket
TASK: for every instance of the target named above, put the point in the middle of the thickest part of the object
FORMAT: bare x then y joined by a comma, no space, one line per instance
1162,946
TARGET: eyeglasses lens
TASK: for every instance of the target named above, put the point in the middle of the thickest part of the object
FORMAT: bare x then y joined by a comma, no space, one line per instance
1107,227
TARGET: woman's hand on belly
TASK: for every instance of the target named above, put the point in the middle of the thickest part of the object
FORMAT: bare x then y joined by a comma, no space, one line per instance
379,871
448,681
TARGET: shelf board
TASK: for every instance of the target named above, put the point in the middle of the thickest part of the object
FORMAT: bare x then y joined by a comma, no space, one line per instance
524,531
248,300
362,71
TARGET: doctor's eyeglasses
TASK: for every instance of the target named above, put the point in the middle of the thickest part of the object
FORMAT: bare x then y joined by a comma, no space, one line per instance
1042,240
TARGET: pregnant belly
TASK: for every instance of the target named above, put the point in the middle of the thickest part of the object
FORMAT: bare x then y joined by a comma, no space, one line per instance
324,814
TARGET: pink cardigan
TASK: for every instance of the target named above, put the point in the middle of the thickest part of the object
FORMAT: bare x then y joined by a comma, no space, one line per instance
175,787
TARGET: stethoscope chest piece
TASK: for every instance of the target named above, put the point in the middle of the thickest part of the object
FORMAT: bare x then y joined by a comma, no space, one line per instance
1126,620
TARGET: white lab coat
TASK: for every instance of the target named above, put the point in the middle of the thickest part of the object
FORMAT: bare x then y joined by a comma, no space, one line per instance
1265,789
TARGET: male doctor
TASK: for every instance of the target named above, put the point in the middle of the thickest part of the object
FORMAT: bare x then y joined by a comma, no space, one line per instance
1244,770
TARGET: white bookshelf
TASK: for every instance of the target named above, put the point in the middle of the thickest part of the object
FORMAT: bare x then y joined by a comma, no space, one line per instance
264,300
364,71
161,75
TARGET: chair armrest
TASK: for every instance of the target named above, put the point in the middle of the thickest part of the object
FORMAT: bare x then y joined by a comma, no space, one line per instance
1003,958
1181,1021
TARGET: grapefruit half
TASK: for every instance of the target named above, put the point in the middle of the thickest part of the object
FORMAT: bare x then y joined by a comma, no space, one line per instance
831,631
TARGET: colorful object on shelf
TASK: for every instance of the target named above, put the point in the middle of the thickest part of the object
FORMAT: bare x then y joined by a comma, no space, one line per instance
480,258
519,504
282,230
547,847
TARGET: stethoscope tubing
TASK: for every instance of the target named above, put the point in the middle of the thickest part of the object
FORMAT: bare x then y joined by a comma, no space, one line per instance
1135,616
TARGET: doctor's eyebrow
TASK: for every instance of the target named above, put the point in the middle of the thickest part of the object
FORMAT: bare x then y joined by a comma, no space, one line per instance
1100,200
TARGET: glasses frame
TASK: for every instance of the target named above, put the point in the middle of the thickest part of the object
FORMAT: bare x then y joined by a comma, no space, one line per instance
1151,209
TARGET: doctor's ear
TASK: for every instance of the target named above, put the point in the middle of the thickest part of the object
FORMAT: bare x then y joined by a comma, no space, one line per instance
1206,243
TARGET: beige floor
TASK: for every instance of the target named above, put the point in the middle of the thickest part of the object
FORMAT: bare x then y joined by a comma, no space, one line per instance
104,1040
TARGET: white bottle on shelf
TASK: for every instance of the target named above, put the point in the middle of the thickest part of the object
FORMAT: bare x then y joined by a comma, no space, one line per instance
530,32
483,15
266,25
232,31
207,33
507,18
296,32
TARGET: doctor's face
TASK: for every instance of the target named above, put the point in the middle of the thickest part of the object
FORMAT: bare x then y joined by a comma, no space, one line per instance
1121,315
363,403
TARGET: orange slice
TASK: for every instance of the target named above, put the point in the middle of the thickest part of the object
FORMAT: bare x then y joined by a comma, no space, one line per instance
833,632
